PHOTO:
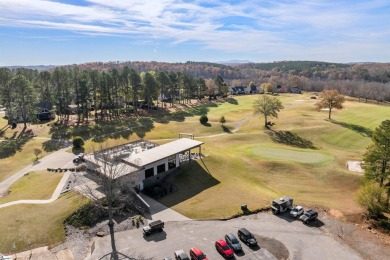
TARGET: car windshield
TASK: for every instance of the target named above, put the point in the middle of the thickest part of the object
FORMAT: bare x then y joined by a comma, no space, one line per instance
202,256
226,247
294,210
234,241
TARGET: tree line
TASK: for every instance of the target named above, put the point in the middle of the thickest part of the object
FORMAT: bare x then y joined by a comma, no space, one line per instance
367,81
103,94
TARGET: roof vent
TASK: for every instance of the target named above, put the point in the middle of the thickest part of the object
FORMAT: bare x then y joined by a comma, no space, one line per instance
281,199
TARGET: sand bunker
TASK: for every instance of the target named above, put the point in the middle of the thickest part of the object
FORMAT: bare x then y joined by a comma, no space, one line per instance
354,166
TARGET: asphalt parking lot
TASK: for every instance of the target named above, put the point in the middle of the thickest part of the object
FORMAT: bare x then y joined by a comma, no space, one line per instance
275,235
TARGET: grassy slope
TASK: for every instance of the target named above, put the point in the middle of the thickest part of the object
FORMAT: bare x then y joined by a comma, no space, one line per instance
20,159
239,176
35,185
36,225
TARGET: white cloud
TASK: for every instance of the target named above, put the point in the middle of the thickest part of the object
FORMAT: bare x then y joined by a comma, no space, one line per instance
259,26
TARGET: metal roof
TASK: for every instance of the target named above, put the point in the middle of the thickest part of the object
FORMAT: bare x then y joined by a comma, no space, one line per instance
162,151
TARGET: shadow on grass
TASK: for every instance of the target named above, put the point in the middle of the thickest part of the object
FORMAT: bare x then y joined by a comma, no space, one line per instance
290,138
226,130
357,128
54,145
10,146
207,124
232,101
192,180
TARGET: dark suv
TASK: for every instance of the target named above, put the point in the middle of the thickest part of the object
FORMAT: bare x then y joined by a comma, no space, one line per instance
308,216
247,237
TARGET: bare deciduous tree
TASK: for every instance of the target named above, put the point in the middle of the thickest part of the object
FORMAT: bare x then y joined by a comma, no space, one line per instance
108,167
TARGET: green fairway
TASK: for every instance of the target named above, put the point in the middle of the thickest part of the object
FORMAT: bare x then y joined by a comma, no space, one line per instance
249,167
310,157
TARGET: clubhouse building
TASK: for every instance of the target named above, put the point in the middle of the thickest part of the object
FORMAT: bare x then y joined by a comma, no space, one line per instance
143,163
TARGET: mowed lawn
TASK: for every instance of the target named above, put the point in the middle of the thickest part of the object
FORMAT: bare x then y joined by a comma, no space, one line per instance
34,185
248,167
36,225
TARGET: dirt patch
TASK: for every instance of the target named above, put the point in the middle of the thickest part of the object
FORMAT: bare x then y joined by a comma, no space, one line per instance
275,247
336,214
360,236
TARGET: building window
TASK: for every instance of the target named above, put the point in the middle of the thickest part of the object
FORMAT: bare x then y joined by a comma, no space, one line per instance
171,162
149,172
161,168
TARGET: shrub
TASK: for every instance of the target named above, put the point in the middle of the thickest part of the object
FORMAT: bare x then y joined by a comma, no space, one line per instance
222,120
78,142
372,198
203,119
88,215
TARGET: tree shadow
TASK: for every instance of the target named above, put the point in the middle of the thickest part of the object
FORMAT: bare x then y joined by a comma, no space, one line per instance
191,179
357,128
232,101
207,124
10,146
274,246
289,138
54,145
226,130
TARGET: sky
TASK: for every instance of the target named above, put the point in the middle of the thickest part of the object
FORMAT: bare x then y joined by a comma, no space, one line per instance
59,32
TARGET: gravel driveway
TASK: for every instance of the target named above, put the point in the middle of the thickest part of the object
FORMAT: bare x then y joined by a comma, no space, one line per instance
275,234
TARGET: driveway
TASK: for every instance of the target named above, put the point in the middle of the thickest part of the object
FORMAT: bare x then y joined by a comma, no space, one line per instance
273,233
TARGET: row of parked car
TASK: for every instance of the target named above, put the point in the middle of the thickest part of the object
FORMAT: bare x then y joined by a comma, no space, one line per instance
286,203
225,247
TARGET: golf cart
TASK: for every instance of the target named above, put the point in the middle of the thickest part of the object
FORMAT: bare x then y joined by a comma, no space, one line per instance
281,205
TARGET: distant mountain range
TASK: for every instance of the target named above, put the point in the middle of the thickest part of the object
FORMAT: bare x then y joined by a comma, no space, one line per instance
233,62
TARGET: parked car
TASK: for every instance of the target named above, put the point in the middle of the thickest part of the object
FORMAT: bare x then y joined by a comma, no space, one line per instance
233,242
197,254
308,216
155,226
224,249
247,237
181,255
296,211
79,158
5,257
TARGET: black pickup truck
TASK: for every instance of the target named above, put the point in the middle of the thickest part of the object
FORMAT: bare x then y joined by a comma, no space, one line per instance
309,215
154,226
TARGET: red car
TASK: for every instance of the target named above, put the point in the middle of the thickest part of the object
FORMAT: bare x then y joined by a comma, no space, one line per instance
197,254
224,249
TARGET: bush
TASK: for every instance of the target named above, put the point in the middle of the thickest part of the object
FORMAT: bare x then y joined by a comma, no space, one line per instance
78,142
372,198
203,119
88,215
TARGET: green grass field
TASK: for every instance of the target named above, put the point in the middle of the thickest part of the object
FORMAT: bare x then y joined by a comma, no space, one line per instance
36,225
34,185
247,167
